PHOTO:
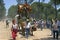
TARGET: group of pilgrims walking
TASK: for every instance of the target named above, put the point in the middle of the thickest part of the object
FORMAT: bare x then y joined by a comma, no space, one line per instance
28,27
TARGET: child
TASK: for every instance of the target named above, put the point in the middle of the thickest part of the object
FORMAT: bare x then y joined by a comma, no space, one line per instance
14,29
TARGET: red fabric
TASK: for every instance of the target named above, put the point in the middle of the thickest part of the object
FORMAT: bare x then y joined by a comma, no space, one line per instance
14,33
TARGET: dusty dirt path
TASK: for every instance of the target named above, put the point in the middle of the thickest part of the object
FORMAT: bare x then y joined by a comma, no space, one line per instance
5,33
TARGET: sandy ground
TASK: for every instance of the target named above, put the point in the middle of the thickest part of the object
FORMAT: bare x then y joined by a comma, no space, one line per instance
5,34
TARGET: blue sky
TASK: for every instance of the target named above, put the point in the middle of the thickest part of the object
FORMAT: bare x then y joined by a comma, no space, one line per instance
9,3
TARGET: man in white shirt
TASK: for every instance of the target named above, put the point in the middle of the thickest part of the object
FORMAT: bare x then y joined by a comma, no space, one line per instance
27,29
28,25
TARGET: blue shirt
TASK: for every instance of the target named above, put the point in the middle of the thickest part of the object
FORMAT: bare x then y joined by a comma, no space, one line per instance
58,23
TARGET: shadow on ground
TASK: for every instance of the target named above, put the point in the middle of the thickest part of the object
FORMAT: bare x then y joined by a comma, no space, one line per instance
10,39
49,38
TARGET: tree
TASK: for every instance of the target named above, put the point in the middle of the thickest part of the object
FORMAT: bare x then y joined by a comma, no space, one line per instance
12,11
55,3
2,9
59,14
43,8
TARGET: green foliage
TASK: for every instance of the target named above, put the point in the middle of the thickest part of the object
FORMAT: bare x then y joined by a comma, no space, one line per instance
12,11
59,14
42,10
55,1
2,9
39,10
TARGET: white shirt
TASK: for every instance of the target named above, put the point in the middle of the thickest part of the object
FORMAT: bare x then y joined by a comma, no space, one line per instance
14,26
28,25
42,22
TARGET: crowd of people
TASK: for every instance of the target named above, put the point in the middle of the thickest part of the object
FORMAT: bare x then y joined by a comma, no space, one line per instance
30,26
53,25
27,28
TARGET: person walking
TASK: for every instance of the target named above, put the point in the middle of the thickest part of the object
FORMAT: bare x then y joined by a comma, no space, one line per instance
42,24
27,28
14,29
55,30
39,23
7,23
48,24
58,24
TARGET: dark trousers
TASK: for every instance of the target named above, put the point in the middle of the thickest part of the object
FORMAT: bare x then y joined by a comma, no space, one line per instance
59,28
7,25
42,27
48,25
55,34
27,30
